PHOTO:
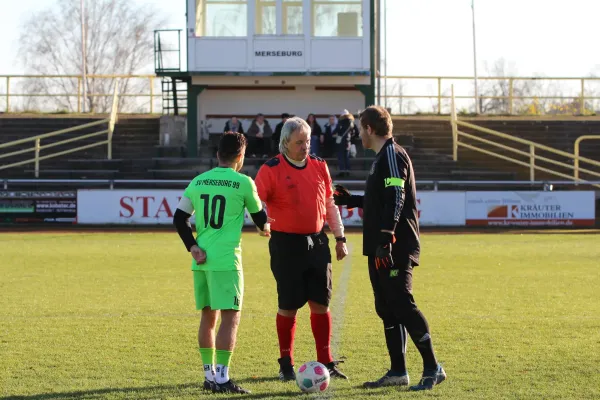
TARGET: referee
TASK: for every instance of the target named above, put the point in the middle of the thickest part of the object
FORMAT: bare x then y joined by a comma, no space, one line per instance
391,243
298,193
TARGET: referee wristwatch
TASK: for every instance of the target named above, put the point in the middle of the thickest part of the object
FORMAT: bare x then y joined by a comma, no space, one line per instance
340,239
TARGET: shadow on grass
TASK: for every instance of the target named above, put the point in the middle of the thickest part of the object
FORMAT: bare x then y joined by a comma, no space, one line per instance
153,392
259,380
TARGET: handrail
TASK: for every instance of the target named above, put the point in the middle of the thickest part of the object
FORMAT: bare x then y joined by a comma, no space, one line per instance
113,119
456,133
573,95
7,94
55,133
436,183
577,157
527,142
37,147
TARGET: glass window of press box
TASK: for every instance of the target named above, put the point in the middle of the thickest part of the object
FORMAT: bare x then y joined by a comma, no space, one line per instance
337,18
292,17
229,18
266,17
222,18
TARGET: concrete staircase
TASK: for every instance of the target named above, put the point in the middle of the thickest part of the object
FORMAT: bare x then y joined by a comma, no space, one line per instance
137,154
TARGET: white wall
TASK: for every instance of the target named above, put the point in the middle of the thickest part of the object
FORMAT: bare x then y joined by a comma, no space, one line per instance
301,101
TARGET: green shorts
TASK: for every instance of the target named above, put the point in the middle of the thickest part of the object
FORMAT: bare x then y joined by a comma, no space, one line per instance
219,290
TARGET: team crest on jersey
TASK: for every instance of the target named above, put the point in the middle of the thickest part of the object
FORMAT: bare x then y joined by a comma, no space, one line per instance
290,184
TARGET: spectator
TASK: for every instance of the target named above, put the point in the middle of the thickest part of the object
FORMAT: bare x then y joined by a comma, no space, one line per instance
277,134
343,136
354,141
259,135
234,125
315,135
327,140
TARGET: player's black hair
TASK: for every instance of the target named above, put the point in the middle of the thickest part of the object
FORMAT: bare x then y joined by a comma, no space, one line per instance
231,145
378,118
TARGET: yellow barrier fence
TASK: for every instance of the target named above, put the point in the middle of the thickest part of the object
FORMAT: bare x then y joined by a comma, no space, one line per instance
497,95
64,93
37,140
404,95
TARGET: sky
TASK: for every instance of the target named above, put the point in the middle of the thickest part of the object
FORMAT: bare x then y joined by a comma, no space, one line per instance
429,37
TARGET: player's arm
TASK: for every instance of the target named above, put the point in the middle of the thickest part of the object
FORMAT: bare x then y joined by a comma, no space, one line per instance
332,215
394,172
181,220
343,197
254,205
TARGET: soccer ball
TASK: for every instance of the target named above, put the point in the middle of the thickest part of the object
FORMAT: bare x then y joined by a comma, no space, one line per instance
313,377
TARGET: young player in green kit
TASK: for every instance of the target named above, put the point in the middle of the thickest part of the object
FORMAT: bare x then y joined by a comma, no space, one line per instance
219,198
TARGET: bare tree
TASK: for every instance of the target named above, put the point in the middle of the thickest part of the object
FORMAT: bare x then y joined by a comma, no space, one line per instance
495,93
119,40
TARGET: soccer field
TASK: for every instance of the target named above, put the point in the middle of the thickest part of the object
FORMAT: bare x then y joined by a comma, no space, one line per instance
111,315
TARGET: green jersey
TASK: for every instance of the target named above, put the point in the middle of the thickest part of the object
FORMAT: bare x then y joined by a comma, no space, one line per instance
220,197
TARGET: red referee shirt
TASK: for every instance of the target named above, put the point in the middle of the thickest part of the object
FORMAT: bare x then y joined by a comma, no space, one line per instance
295,196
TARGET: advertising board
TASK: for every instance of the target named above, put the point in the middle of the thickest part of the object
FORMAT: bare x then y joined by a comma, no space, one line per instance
530,209
158,206
22,207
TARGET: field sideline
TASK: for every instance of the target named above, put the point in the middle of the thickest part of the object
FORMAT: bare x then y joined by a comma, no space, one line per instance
92,315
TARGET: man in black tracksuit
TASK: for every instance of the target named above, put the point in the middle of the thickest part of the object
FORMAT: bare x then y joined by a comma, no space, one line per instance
391,243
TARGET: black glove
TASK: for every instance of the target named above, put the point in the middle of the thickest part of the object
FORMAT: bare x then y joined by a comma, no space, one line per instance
383,254
341,196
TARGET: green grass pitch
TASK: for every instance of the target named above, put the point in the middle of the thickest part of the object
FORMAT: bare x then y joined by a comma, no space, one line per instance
111,315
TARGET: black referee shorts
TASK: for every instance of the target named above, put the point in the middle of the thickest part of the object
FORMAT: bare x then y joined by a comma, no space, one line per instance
301,265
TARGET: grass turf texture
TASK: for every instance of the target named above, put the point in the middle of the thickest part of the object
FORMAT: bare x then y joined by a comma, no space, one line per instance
111,315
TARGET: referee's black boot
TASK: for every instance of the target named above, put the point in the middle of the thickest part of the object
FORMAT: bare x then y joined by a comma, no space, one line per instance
286,369
334,372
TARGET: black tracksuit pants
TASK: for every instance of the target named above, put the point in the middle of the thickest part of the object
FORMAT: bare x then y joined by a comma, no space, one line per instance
395,305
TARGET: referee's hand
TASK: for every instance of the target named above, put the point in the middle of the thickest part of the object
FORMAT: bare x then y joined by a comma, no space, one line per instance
341,251
341,196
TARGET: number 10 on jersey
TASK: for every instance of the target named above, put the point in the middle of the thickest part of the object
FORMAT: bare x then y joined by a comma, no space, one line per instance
214,210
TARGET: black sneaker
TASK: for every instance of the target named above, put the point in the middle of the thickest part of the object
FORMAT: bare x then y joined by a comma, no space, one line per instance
286,369
229,387
209,385
430,379
334,372
389,379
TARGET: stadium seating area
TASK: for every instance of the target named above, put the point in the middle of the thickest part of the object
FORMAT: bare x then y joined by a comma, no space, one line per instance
137,154
558,134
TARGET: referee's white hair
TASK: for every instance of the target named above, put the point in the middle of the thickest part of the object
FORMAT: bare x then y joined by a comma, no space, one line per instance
291,125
